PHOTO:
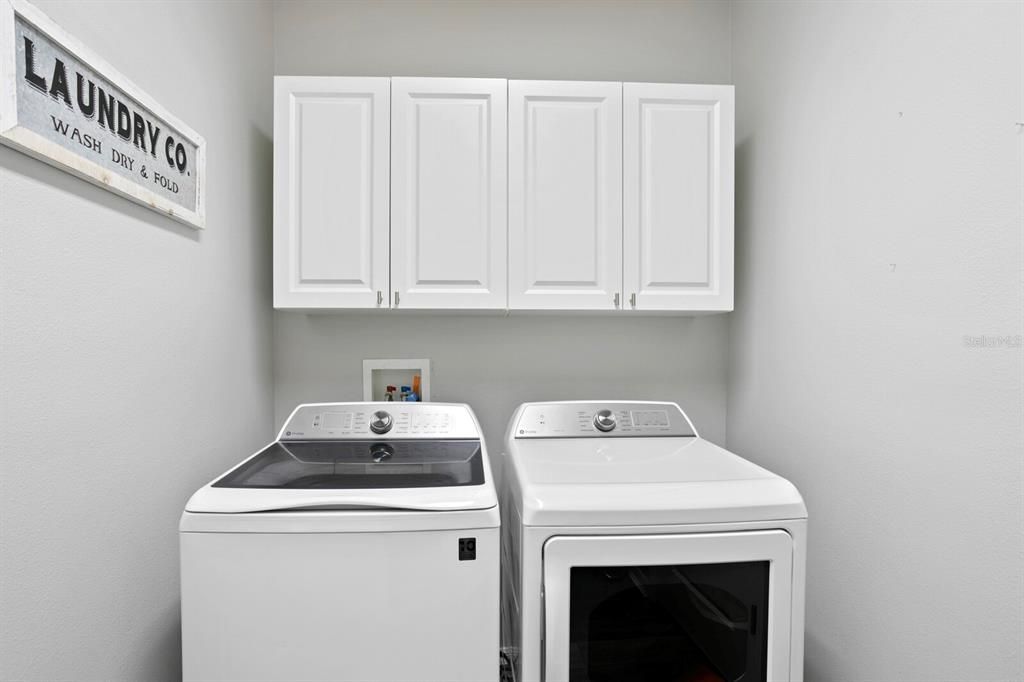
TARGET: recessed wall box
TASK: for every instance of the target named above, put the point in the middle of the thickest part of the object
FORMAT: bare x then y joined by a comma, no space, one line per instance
378,374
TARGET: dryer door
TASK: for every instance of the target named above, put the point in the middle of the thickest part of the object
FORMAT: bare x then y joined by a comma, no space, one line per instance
712,607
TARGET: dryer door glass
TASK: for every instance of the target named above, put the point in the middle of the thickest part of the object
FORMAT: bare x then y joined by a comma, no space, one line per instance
357,464
669,623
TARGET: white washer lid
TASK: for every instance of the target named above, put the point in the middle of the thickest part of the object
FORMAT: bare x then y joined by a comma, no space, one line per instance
427,475
340,521
430,457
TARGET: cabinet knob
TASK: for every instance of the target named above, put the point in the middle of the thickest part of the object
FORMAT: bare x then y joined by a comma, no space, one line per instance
616,299
380,298
632,300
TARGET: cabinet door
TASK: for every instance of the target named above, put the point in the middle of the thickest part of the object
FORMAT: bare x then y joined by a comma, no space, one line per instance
678,196
448,193
330,192
565,195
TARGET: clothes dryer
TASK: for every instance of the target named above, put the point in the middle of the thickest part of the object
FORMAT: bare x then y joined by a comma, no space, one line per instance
635,550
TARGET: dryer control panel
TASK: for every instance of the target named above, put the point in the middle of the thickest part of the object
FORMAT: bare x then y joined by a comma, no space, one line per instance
384,421
597,419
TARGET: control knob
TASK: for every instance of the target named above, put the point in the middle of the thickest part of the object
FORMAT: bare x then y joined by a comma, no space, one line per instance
380,422
604,420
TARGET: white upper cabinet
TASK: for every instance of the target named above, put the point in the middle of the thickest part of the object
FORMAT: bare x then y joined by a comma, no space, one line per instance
487,194
331,192
448,193
678,197
565,195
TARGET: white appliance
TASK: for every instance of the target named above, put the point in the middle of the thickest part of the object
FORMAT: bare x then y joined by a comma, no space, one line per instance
633,549
362,544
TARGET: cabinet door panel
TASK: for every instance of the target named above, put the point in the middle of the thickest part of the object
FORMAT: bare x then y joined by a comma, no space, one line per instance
330,192
678,196
565,194
448,192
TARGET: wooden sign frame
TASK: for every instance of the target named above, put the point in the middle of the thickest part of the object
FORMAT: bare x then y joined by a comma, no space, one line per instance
169,153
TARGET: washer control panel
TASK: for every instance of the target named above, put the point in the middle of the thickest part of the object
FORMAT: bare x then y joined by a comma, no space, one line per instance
595,419
338,421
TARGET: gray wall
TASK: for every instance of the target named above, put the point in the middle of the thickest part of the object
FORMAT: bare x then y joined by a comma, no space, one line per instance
879,223
683,41
134,352
494,363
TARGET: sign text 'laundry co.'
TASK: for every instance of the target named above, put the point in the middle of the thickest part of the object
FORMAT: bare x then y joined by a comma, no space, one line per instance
69,108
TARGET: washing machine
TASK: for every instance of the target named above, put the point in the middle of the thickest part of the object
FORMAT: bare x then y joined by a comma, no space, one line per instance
362,544
633,549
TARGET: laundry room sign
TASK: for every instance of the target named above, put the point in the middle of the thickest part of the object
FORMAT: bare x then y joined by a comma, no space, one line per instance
64,105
